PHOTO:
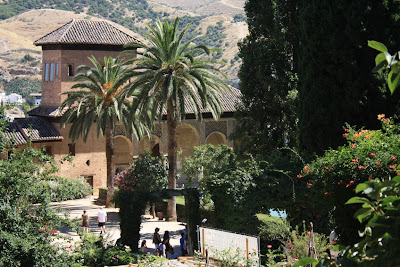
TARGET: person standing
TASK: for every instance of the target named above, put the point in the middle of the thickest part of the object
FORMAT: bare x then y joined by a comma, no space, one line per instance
157,238
102,219
166,239
183,244
85,222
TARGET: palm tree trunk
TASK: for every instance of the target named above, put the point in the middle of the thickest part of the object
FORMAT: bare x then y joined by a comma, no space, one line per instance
172,145
110,162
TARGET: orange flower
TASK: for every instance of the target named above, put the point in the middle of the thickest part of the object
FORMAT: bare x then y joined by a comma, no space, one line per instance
373,154
309,184
354,145
298,175
381,116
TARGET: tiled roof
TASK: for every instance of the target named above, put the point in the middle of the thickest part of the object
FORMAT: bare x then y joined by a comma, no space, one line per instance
14,135
35,128
228,102
45,111
86,32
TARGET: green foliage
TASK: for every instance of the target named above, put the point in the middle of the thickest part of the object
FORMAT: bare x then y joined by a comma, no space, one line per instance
232,258
268,81
274,228
135,184
206,160
90,251
384,60
334,63
60,189
239,18
27,232
380,212
332,178
146,173
299,244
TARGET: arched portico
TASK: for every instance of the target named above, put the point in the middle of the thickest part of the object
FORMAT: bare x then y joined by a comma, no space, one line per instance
152,145
216,138
123,152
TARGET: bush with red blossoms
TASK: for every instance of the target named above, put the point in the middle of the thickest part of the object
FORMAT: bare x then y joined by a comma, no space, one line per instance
331,179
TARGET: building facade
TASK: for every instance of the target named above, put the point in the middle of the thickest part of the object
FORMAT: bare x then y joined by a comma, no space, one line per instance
63,51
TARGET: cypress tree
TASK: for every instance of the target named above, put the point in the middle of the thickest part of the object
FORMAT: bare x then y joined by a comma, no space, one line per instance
267,78
336,84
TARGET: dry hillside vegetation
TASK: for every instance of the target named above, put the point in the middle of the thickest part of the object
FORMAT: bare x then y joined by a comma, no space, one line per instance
206,7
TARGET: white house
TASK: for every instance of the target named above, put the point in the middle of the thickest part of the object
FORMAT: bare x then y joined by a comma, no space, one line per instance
37,97
14,98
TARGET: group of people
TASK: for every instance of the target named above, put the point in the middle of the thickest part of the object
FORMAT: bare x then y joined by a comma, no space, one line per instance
164,248
101,220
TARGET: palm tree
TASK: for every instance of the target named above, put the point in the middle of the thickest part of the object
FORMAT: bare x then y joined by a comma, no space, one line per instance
99,103
169,72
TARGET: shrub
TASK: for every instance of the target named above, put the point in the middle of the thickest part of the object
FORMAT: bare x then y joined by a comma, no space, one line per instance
299,244
331,179
60,189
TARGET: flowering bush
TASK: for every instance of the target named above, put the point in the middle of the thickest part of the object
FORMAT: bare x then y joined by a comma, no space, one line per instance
146,173
331,179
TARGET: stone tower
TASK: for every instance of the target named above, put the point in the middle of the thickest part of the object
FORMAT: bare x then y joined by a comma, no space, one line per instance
69,46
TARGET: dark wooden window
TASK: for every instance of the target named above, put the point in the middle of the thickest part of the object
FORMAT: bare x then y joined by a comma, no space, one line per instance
70,70
48,150
71,149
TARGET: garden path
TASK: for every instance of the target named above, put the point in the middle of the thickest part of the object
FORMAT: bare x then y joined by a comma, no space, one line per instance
76,207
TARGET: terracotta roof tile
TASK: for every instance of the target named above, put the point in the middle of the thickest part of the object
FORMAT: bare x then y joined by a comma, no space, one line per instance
37,129
14,135
86,32
45,111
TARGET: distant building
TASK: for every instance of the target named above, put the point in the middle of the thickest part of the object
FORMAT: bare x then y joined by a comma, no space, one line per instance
37,97
14,98
63,50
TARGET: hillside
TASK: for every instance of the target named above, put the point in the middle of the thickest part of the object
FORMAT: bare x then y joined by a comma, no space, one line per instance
221,21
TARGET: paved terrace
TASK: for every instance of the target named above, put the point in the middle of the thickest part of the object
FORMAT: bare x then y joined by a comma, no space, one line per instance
76,208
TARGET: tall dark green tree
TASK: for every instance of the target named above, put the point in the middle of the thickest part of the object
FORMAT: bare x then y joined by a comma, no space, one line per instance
267,77
336,82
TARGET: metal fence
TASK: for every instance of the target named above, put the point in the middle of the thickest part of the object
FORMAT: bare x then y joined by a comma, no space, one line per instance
215,241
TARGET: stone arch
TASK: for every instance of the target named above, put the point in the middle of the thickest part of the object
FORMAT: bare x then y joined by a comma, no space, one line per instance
123,152
187,138
216,138
153,145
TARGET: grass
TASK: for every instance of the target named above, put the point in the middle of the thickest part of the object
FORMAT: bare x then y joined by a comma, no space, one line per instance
265,218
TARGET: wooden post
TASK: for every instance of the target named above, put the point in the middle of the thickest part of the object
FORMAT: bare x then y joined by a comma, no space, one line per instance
204,243
247,248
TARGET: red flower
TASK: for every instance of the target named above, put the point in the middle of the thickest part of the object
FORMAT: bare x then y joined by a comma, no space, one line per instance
346,130
269,246
326,193
345,134
393,157
354,145
298,175
394,166
354,160
326,168
361,167
373,154
378,163
309,184
307,168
